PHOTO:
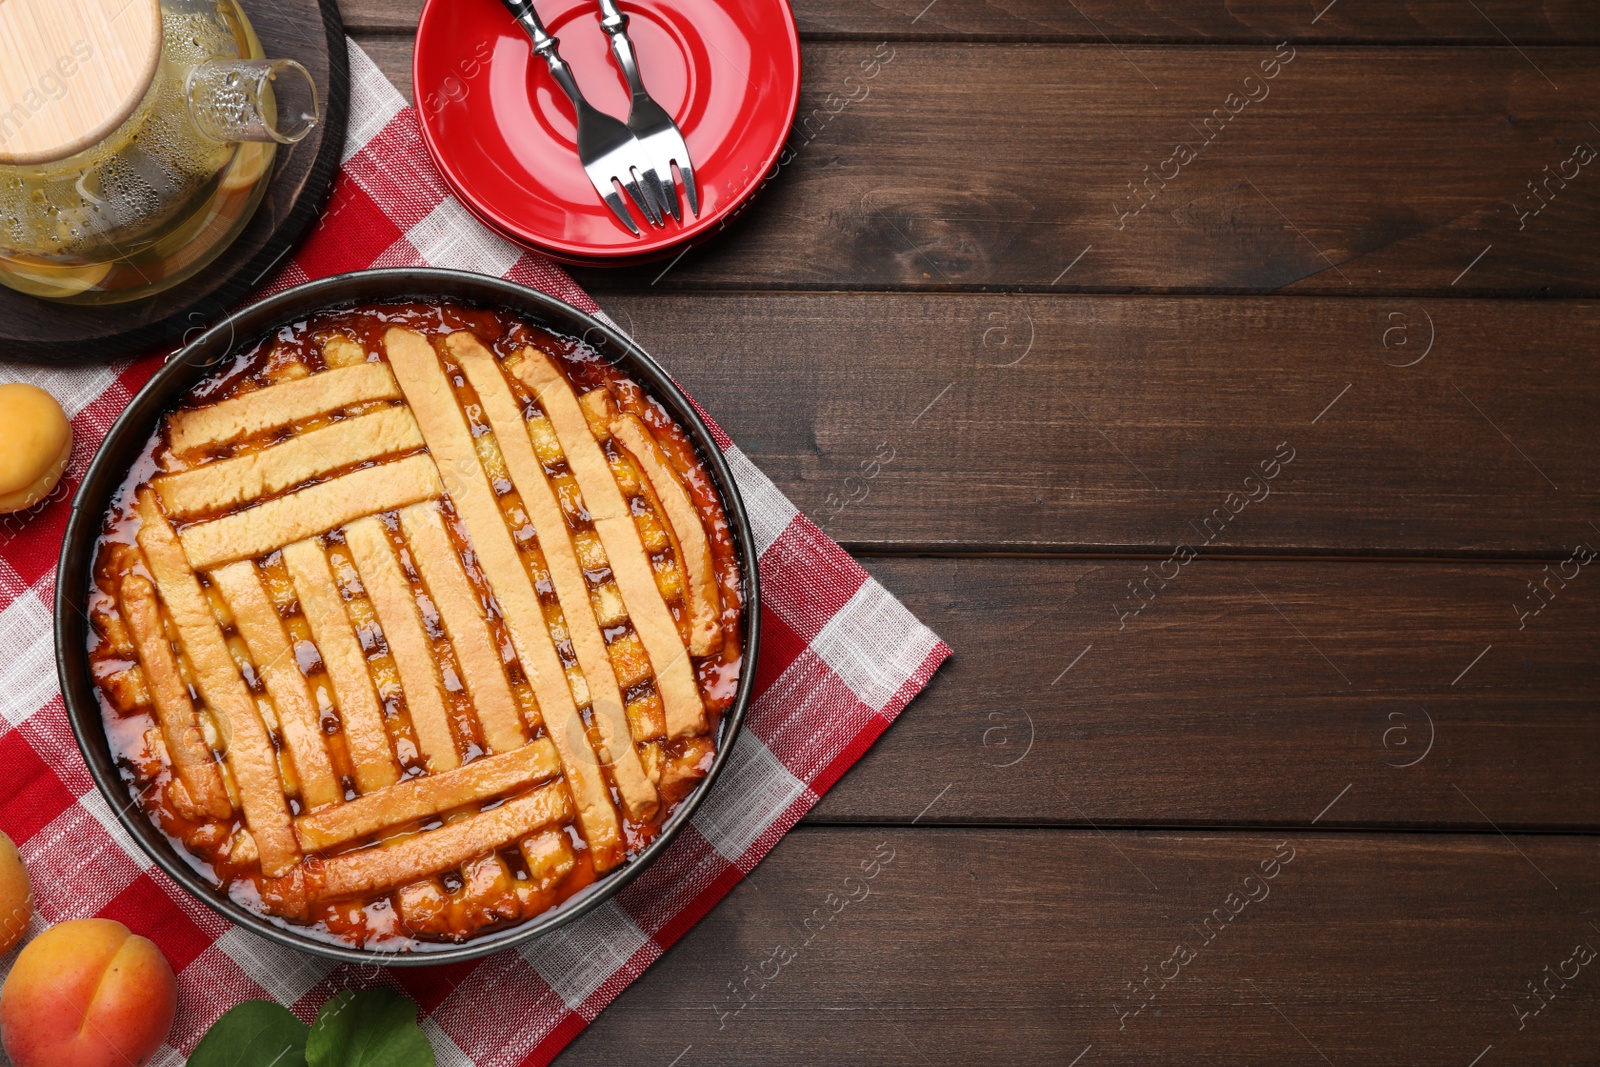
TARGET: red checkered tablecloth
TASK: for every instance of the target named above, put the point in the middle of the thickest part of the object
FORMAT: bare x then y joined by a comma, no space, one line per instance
840,659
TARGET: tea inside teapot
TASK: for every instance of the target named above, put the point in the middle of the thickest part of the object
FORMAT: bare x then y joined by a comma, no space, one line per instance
133,155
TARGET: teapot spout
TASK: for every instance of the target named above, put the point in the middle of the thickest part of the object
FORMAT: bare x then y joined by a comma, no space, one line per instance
266,100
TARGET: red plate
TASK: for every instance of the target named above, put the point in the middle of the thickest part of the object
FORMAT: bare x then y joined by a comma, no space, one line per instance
504,136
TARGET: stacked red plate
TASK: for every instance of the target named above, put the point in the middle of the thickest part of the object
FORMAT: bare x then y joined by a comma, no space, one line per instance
504,136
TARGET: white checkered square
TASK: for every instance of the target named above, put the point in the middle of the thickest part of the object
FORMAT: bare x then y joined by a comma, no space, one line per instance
446,1053
374,101
96,805
874,644
28,662
576,959
286,975
75,387
754,790
76,866
450,237
500,1011
808,716
770,511
166,1056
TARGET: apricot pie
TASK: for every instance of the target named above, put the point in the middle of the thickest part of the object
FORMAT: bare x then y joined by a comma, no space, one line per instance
414,622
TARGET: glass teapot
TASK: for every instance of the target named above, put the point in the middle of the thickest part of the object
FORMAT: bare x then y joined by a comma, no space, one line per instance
136,137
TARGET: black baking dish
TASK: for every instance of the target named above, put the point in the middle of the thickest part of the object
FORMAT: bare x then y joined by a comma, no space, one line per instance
203,357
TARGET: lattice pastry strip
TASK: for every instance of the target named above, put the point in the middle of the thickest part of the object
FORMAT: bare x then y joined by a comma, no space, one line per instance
262,629
400,863
180,724
655,533
323,507
247,478
500,408
422,798
689,540
278,406
444,428
366,739
630,664
614,524
396,607
249,749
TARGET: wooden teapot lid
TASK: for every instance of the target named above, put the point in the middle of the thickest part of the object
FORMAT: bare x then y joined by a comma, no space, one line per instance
71,71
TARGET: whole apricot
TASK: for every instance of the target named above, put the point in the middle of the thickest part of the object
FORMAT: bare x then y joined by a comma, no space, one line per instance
16,895
36,447
87,993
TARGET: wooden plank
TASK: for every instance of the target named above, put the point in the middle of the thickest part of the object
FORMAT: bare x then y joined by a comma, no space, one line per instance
1383,948
1245,693
1419,21
1214,21
1078,424
392,54
1373,170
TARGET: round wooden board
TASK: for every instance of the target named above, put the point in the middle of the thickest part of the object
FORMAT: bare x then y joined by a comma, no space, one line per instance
43,331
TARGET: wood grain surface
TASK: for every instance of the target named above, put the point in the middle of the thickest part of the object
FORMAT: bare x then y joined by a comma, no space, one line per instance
1018,946
1243,693
1034,420
1191,21
1058,424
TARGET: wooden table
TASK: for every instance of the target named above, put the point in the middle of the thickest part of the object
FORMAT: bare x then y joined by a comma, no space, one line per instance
1253,484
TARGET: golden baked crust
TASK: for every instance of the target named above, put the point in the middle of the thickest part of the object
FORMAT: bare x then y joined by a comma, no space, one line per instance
418,646
613,521
688,533
539,498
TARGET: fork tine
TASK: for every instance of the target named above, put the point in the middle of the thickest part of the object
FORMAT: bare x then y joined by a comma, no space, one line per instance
669,192
657,187
674,202
642,196
687,168
650,182
614,202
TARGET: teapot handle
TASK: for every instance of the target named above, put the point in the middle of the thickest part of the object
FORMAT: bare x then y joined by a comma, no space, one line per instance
267,100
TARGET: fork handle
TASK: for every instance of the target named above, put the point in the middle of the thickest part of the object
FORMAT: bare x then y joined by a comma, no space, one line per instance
615,23
545,45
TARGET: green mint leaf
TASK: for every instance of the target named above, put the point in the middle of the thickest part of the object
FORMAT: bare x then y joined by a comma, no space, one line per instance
370,1028
257,1033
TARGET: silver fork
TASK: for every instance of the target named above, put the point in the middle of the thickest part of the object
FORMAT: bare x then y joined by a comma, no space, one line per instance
607,149
650,123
